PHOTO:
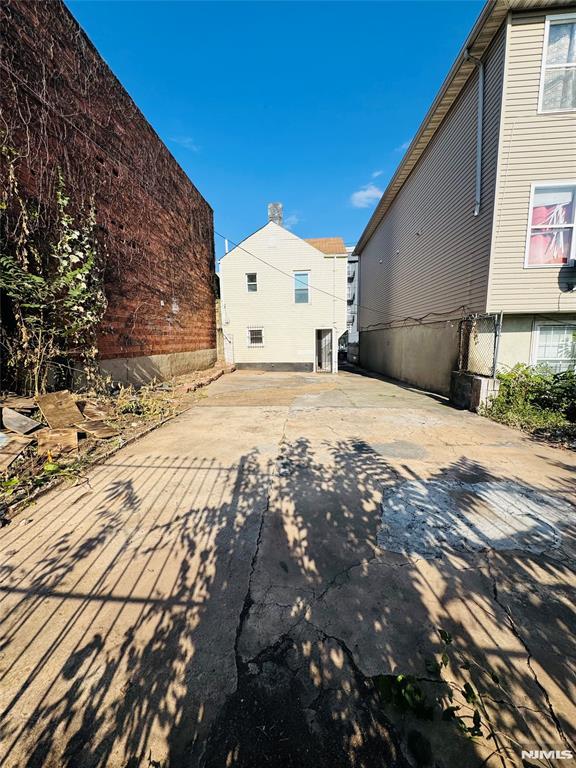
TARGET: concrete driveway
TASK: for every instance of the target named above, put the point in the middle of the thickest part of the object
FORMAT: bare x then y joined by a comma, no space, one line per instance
235,589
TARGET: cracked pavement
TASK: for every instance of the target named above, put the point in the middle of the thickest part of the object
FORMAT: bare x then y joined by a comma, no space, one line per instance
230,590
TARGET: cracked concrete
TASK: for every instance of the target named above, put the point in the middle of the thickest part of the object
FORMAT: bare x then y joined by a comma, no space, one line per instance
229,590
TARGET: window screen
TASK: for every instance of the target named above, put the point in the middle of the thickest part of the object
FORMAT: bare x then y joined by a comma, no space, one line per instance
559,75
301,289
556,347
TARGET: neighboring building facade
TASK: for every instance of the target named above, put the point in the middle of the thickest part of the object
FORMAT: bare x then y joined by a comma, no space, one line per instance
63,109
352,301
480,216
284,300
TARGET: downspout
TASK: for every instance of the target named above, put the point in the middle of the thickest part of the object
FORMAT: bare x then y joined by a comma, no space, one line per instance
334,332
479,128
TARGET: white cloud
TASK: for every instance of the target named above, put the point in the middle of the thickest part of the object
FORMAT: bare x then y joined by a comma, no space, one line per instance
376,174
290,221
403,147
366,196
185,141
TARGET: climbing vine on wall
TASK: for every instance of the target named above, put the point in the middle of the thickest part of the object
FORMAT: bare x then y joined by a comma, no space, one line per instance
51,271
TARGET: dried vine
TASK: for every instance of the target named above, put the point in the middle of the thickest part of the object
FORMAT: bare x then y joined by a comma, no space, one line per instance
51,270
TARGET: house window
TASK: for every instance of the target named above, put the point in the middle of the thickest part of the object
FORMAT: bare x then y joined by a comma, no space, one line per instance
251,282
301,292
556,347
255,337
551,240
558,87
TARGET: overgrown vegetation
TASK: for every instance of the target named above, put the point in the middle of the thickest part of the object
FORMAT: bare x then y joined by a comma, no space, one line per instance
537,400
51,270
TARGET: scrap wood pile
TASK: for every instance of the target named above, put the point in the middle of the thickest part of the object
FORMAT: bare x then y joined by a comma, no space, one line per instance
59,434
45,434
54,434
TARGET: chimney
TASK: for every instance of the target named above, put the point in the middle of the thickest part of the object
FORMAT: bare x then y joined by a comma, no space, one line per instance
275,213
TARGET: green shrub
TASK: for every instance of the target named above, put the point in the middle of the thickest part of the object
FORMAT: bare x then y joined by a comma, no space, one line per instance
534,398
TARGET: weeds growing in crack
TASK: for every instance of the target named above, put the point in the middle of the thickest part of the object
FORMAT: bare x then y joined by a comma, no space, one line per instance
464,703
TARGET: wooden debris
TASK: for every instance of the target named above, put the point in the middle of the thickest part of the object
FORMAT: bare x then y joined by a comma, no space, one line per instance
11,446
59,409
95,412
18,403
97,428
57,441
17,422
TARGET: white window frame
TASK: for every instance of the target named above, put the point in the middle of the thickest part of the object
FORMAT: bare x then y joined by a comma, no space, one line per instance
251,283
300,272
557,18
536,326
572,255
249,337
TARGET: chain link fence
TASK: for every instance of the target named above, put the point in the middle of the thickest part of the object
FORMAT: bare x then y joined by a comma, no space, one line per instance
478,348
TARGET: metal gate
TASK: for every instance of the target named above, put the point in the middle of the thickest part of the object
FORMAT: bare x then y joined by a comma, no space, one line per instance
478,349
324,350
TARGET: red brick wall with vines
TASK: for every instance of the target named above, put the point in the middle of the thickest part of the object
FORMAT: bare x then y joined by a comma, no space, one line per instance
62,107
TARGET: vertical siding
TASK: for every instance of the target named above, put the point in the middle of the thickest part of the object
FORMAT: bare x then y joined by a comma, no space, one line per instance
430,254
534,147
289,328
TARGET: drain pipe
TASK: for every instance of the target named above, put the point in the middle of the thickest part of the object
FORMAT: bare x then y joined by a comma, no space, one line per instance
479,127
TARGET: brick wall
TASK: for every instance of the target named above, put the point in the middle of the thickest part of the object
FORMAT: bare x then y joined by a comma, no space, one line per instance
63,108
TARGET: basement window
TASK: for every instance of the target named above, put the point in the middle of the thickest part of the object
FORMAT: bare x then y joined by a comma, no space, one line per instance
551,240
251,282
558,80
255,337
555,347
301,292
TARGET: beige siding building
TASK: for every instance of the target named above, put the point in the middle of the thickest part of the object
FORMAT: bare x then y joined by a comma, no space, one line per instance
481,213
284,301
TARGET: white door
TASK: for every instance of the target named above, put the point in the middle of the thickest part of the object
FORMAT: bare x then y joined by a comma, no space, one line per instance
228,348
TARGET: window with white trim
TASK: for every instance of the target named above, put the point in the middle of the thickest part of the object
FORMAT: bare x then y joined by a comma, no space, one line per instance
558,85
251,282
556,347
301,288
551,237
255,337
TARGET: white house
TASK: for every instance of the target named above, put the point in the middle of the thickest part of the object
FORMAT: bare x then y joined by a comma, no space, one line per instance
284,300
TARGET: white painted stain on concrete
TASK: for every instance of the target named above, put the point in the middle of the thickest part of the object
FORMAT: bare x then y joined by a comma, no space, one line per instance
429,518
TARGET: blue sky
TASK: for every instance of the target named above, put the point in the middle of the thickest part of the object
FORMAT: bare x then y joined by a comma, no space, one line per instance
308,103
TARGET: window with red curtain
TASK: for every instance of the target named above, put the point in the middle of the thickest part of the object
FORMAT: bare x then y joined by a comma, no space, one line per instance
552,226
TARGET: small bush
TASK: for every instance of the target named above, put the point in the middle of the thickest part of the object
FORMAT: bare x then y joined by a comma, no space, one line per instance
535,399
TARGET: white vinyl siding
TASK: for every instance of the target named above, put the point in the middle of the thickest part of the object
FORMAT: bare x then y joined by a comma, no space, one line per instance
536,149
558,78
288,329
430,254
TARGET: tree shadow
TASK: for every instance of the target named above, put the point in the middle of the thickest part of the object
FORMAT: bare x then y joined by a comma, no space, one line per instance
211,615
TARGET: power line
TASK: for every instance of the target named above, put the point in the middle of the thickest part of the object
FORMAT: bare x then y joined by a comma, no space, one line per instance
399,318
131,173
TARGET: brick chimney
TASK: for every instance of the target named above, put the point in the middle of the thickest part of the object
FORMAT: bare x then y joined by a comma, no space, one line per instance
275,213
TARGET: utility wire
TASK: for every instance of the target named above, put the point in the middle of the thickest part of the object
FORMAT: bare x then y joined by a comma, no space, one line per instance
131,173
340,298
124,163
